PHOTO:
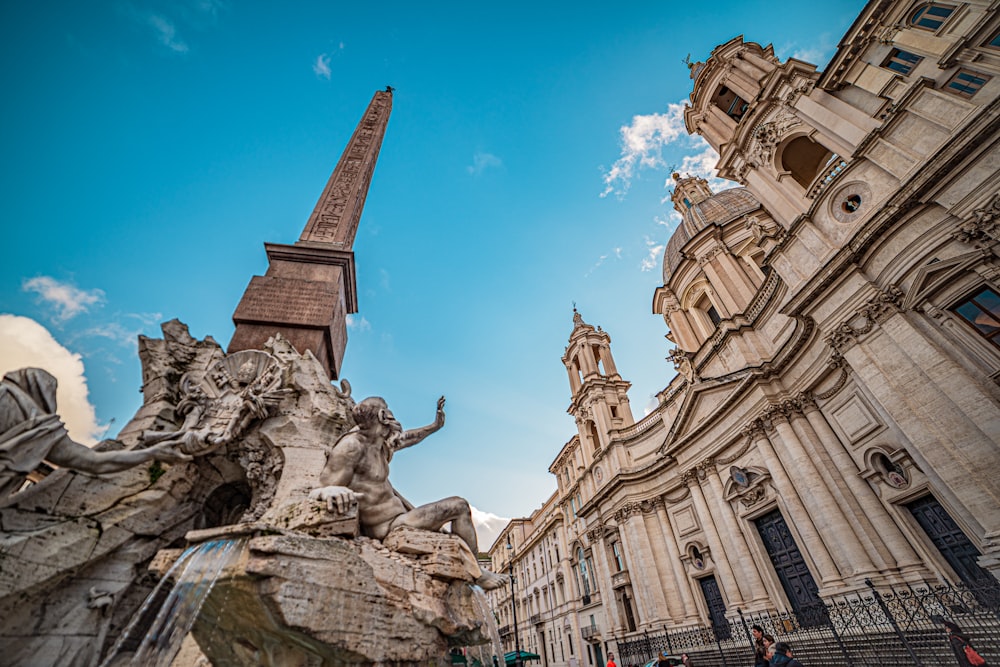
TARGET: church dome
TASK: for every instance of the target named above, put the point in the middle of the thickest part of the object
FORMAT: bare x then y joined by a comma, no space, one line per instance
716,210
720,208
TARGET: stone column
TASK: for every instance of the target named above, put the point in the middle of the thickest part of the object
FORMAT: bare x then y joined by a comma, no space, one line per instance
735,539
682,583
642,567
833,526
884,535
827,574
727,579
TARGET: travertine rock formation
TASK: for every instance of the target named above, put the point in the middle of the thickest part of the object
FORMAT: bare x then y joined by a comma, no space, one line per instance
75,548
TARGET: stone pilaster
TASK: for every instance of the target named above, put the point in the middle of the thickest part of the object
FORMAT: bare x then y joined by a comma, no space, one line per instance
682,584
888,545
827,574
727,578
736,542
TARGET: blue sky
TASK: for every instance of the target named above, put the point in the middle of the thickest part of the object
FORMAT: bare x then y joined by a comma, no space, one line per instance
151,148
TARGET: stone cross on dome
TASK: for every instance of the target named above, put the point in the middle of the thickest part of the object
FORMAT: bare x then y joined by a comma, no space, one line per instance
310,286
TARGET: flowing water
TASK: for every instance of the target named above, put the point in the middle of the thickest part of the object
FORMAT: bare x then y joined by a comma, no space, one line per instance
494,648
199,567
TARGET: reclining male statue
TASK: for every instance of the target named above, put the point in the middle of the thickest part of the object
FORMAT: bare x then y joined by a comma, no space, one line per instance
358,468
31,432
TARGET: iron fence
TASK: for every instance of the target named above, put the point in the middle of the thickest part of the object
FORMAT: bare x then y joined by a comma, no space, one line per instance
885,628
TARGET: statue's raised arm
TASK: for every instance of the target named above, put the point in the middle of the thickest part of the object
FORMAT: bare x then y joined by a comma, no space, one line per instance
414,435
358,468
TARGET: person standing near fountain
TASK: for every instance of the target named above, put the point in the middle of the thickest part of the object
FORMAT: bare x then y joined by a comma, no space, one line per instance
358,469
31,432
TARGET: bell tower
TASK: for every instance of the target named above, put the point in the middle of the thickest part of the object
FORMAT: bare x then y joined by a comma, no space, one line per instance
310,286
599,394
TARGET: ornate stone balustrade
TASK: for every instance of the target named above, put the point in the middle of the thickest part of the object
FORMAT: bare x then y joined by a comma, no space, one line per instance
829,175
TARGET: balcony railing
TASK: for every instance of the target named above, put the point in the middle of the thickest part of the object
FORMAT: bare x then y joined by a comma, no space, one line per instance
535,619
588,632
619,579
828,175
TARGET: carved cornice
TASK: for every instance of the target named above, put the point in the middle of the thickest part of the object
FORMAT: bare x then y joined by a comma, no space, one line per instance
877,309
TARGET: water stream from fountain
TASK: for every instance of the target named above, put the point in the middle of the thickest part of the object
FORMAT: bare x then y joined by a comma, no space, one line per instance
489,621
202,564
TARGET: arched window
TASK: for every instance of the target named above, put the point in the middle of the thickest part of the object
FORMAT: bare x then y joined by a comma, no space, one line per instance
597,359
595,440
930,16
731,104
804,158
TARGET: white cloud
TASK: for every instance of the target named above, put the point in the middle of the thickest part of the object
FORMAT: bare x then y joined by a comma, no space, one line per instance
322,66
488,527
358,323
114,331
652,258
25,343
483,161
166,33
68,300
642,144
617,252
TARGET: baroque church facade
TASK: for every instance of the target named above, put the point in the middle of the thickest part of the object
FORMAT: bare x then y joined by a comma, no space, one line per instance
835,420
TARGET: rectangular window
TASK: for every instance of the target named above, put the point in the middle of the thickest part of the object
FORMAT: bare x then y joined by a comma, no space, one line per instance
982,311
617,552
901,61
966,83
995,41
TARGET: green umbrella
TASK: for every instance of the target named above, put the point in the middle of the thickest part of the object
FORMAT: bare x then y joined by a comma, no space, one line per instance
510,657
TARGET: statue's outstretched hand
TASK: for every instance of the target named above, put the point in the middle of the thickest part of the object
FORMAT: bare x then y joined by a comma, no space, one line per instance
337,498
440,407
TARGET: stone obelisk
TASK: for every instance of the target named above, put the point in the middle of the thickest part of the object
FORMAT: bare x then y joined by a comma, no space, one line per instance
310,286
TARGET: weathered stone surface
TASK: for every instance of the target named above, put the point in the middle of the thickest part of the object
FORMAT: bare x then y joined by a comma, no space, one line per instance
313,518
316,601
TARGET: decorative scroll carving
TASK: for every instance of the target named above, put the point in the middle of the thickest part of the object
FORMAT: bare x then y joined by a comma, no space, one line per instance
219,405
767,136
753,496
983,226
876,310
803,88
888,34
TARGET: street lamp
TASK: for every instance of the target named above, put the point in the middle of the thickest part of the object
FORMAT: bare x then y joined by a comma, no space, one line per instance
513,603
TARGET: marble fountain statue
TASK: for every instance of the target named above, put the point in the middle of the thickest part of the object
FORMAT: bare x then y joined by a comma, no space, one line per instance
244,516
